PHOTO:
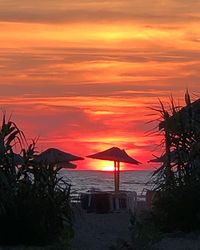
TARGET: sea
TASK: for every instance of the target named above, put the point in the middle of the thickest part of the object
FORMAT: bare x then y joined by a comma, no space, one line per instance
83,181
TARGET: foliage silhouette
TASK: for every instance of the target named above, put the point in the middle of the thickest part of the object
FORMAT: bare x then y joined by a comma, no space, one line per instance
177,181
34,200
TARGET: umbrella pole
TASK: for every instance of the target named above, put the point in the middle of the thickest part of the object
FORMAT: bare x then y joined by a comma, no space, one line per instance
118,170
115,175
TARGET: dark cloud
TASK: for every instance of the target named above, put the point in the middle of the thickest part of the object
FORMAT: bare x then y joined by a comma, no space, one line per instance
56,72
83,11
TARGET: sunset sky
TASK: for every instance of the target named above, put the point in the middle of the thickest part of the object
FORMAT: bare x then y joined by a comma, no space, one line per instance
81,74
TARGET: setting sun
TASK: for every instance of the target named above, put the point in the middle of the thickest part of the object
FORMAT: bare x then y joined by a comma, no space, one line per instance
108,168
103,165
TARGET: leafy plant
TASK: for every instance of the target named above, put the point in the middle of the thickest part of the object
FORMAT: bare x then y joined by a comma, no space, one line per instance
177,181
34,201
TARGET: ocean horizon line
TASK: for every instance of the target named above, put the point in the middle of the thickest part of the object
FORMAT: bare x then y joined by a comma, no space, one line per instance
109,171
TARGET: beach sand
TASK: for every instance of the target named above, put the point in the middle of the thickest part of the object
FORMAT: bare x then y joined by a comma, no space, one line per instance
99,231
185,242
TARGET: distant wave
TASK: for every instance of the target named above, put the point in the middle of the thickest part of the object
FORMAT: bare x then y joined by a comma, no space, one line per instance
83,181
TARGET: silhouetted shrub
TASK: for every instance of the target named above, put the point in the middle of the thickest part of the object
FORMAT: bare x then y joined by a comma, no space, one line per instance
178,209
34,201
176,205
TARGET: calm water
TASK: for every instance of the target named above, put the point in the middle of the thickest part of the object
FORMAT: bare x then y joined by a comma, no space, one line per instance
129,180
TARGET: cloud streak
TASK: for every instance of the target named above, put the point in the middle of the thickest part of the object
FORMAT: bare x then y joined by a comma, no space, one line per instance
154,12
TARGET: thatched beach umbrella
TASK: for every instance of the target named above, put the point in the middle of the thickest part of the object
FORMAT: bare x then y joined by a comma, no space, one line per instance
117,155
162,158
53,156
158,159
174,156
67,165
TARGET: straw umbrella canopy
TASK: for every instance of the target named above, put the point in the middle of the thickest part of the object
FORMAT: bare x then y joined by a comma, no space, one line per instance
158,159
116,155
67,165
53,156
174,155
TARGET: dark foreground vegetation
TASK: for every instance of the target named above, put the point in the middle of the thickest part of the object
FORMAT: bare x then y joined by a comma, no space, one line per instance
177,182
176,200
34,201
